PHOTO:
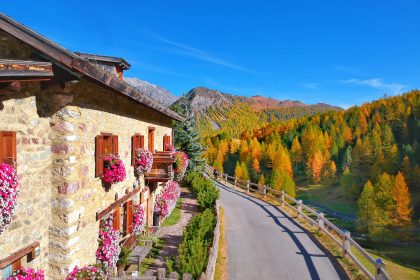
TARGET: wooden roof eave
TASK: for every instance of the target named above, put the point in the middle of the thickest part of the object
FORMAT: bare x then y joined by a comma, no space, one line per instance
71,60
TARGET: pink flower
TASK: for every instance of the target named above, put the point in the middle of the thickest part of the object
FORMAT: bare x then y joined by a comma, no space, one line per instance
139,219
89,272
181,164
27,274
166,200
143,161
114,170
109,248
8,194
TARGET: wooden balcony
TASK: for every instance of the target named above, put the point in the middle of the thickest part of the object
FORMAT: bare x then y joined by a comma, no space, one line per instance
162,168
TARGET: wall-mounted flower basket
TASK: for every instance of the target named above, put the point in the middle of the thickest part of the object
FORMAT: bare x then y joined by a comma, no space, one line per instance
89,272
143,162
8,194
109,248
181,164
139,219
114,171
27,274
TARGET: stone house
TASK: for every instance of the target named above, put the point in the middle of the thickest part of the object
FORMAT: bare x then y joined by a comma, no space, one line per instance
60,114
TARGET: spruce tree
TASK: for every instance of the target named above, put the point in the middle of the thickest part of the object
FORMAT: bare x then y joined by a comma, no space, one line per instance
187,139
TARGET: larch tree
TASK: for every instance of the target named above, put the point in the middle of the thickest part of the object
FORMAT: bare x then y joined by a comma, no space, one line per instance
366,204
401,196
256,165
296,151
238,170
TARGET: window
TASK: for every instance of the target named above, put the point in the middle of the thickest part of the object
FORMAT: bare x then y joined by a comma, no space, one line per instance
8,270
166,141
151,139
137,141
8,147
105,144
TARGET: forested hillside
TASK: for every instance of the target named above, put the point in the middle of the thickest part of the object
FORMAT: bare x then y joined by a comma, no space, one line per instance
371,153
221,113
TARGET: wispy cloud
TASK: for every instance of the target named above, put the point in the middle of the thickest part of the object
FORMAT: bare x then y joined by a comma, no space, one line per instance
377,83
310,86
186,50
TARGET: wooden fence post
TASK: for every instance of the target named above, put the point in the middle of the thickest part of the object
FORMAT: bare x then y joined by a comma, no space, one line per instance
299,208
320,221
236,179
380,268
346,242
247,186
265,190
282,198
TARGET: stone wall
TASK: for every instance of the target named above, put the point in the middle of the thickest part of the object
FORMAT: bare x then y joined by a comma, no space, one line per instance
87,112
20,113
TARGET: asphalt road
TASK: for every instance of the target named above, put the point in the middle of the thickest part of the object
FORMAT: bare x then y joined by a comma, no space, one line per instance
264,243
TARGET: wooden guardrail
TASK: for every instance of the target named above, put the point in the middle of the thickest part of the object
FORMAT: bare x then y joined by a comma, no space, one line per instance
341,237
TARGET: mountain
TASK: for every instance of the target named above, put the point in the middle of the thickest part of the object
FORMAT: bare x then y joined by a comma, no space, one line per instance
219,112
156,92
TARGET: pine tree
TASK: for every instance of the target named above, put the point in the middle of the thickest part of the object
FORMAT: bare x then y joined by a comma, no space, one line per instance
187,139
401,197
347,159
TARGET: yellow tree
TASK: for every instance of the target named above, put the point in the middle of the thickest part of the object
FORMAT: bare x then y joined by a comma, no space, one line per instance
296,151
238,171
401,195
315,165
256,165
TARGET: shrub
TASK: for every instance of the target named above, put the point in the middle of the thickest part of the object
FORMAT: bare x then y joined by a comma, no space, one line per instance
89,272
193,251
204,189
27,274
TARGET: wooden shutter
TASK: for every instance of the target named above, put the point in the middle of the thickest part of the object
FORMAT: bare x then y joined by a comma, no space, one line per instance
99,156
141,141
8,147
17,264
115,144
166,141
116,221
129,216
134,147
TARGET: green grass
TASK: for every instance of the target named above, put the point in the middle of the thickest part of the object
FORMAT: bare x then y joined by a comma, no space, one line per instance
173,219
332,197
154,252
396,271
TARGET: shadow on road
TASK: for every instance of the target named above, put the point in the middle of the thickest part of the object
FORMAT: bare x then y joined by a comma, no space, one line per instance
306,255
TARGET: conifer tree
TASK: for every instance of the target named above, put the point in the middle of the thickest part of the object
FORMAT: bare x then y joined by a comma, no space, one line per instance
402,199
366,203
187,139
238,171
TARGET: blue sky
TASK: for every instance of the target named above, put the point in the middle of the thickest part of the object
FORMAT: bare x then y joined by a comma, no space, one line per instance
338,52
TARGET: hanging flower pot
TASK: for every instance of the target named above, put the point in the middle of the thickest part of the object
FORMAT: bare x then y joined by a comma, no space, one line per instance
8,194
181,163
114,170
89,272
143,162
109,248
139,219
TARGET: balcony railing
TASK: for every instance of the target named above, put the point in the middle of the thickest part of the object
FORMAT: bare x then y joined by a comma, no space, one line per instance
162,168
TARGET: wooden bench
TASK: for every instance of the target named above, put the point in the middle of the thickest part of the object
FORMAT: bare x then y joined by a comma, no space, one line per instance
140,252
